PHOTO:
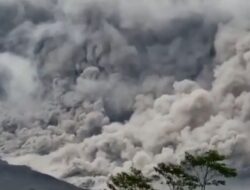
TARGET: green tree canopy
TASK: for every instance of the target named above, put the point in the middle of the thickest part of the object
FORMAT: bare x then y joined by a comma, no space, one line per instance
174,176
208,169
195,171
133,180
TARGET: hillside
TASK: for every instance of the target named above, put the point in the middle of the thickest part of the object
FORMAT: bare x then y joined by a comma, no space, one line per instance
23,178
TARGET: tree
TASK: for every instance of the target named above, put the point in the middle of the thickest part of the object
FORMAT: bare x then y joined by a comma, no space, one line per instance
208,169
175,176
134,180
195,171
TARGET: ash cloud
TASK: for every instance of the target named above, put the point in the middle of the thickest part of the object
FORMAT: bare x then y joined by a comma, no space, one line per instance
89,87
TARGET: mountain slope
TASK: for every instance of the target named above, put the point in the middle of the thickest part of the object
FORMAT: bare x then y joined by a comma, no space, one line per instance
23,178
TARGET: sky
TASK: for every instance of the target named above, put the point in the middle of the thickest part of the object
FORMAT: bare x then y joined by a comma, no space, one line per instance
90,87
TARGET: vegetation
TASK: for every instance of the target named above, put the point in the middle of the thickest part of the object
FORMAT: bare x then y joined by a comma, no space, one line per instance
174,176
194,172
134,180
208,169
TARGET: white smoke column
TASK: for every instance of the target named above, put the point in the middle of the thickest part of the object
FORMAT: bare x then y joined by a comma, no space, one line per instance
21,76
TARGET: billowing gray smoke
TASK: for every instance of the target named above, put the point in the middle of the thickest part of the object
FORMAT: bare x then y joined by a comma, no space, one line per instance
88,87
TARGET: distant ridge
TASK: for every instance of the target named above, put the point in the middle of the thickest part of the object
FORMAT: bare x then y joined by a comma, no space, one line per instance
24,178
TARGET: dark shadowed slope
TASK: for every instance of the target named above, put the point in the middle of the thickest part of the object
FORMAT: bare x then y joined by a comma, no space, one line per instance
23,178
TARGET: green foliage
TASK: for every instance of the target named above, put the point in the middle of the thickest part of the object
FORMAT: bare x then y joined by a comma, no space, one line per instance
195,171
175,176
134,180
208,169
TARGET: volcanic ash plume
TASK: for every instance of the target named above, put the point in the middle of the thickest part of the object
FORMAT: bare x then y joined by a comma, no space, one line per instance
90,87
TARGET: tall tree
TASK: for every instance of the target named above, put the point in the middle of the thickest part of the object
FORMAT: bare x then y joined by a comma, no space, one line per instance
208,169
195,171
